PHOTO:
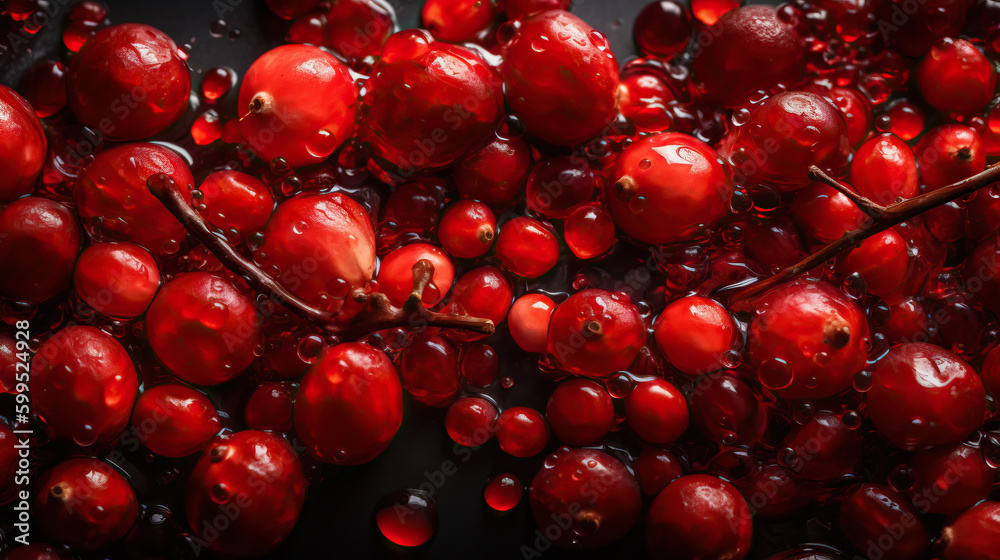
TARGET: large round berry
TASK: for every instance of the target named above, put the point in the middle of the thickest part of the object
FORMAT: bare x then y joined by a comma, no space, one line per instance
395,273
871,514
84,384
973,535
430,370
955,77
22,145
253,480
884,169
174,420
117,279
297,102
667,188
203,329
695,334
950,478
595,333
949,153
656,411
580,412
560,77
349,405
699,517
39,244
129,81
822,449
237,203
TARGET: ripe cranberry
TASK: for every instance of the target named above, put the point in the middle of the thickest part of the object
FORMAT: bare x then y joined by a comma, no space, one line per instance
588,495
83,384
947,223
560,77
772,243
84,503
955,77
395,275
589,231
522,431
694,334
495,173
856,110
872,515
949,153
471,421
559,184
22,148
646,99
256,475
235,202
752,48
482,292
916,28
950,478
656,411
407,518
290,9
727,411
884,169
430,370
580,412
349,405
663,28
529,321
595,333
973,535
377,19
824,213
117,279
217,82
467,229
667,188
908,120
655,469
39,244
457,21
414,206
203,329
503,493
174,420
115,205
124,95
527,247
907,322
774,491
517,9
300,104
419,89
44,87
823,449
882,260
322,248
270,407
699,516
924,395
807,340
480,364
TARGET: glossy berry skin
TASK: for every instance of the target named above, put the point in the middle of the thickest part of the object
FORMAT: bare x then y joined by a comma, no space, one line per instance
174,420
823,449
124,95
949,478
656,411
908,323
699,516
270,407
471,421
954,77
395,275
349,405
522,431
297,102
924,395
725,410
22,147
753,49
528,321
256,475
580,412
857,112
605,494
117,279
430,370
375,18
882,260
447,88
115,205
40,240
667,188
645,98
655,469
467,229
694,334
973,535
457,21
558,185
481,292
884,169
795,323
44,87
504,492
663,28
203,329
236,203
407,518
589,231
908,120
494,174
414,206
824,213
869,511
560,77
321,247
595,333
949,153
84,503
527,247
83,385
480,364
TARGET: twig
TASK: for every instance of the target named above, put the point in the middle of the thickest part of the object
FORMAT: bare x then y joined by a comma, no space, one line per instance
866,205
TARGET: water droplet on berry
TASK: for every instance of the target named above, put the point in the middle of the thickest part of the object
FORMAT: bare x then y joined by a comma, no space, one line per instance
620,385
731,359
85,435
310,348
854,286
803,413
219,493
902,478
645,164
321,143
98,513
171,246
214,316
638,204
279,166
775,374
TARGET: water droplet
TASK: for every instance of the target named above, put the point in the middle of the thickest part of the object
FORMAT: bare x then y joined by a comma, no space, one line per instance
321,143
620,385
540,44
645,164
851,419
507,382
85,435
638,204
902,478
310,348
219,493
863,381
731,359
775,374
214,316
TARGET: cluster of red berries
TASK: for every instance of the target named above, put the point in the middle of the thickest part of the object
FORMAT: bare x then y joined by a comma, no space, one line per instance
753,272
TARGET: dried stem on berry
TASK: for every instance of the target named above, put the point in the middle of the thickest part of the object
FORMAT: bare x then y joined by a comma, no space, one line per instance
877,221
379,312
866,205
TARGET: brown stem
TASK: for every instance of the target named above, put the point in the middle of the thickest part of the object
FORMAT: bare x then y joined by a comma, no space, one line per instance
890,216
866,205
379,312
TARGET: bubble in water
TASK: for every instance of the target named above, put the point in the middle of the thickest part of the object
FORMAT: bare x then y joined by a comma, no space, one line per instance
85,435
902,478
620,385
321,143
775,374
863,381
310,348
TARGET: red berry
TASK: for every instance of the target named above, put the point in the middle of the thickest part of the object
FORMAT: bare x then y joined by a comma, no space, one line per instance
824,213
949,153
471,421
482,292
709,11
907,322
557,185
646,99
565,492
725,410
503,492
458,21
856,109
467,229
663,28
217,82
395,275
589,231
822,449
656,411
517,9
203,329
44,87
349,405
290,9
883,261
667,189
950,478
954,77
655,469
772,243
83,384
414,207
22,146
235,202
973,535
595,333
924,395
580,412
699,516
480,364
117,279
174,420
126,96
695,334
306,91
529,321
375,18
527,247
871,514
270,407
908,120
84,503
39,244
495,173
560,77
408,519
430,370
522,431
255,474
206,128
884,169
